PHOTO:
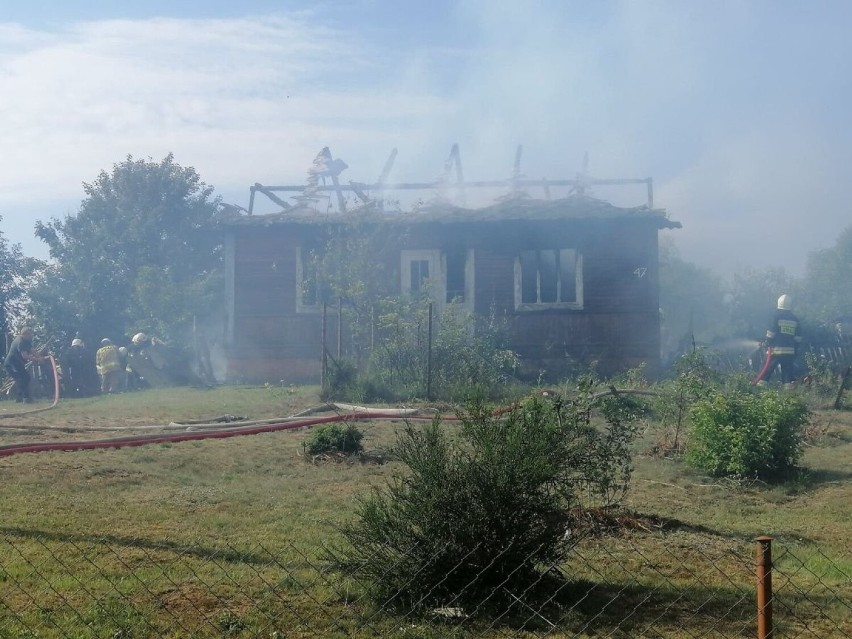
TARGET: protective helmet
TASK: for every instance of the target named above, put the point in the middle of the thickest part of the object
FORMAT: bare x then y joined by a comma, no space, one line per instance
122,350
105,342
140,338
77,342
785,303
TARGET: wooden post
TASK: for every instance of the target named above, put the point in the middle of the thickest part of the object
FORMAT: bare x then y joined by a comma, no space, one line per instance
839,399
763,564
429,356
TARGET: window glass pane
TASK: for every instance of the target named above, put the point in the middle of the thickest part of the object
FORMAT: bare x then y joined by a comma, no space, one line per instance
529,277
419,274
568,275
455,276
309,283
548,276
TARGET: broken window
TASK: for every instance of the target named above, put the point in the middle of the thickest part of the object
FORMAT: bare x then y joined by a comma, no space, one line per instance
456,261
548,278
445,276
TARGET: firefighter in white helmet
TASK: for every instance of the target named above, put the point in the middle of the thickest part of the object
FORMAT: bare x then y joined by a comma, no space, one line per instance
108,364
783,339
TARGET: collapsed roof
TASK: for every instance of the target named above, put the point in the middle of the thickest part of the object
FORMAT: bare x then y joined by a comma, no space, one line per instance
446,203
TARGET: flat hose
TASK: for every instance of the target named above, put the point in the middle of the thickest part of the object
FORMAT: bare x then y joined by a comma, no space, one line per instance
163,438
255,429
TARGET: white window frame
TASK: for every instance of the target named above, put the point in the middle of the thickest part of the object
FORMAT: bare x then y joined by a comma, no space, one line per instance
469,270
436,277
575,304
437,260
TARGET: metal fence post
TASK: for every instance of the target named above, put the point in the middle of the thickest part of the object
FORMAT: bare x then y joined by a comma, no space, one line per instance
339,328
324,360
763,565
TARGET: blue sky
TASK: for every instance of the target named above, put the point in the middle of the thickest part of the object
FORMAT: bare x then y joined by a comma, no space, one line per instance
739,110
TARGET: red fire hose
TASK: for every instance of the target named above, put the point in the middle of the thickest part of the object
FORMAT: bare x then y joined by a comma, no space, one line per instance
767,362
236,431
159,438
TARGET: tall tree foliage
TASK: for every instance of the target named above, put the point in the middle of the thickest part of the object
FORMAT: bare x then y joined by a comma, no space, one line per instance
15,272
827,290
139,255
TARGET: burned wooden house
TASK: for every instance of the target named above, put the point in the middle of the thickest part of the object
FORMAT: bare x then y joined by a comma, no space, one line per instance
574,278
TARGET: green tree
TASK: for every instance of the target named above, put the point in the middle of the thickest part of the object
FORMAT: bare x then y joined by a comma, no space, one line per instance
16,274
141,253
826,293
349,263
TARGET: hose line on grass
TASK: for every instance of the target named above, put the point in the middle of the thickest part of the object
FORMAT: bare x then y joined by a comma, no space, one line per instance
222,433
197,432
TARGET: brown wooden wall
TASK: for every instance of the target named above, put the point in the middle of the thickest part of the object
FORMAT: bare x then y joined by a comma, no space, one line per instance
617,328
270,340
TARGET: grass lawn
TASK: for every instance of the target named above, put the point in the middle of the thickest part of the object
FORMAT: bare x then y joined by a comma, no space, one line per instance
223,537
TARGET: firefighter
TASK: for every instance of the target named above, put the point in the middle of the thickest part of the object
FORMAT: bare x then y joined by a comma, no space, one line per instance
73,368
108,362
783,339
20,352
123,356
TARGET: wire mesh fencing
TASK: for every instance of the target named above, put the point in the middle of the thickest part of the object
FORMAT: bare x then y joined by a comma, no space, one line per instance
636,583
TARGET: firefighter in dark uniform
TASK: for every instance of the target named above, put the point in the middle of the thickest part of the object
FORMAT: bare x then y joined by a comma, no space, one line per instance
783,339
73,368
20,353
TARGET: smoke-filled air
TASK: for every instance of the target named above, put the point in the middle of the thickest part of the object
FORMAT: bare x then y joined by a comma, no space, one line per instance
425,318
733,110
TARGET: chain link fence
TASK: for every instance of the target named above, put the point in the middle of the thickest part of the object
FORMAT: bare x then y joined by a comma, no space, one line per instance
634,583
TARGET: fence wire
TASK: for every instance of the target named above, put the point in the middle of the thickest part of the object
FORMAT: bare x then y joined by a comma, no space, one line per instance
630,584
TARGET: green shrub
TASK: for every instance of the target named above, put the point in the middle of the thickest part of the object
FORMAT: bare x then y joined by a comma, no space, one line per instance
469,354
693,379
334,438
480,514
746,435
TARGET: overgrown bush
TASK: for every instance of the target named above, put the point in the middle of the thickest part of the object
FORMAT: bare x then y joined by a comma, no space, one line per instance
743,434
478,515
329,438
469,356
693,379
